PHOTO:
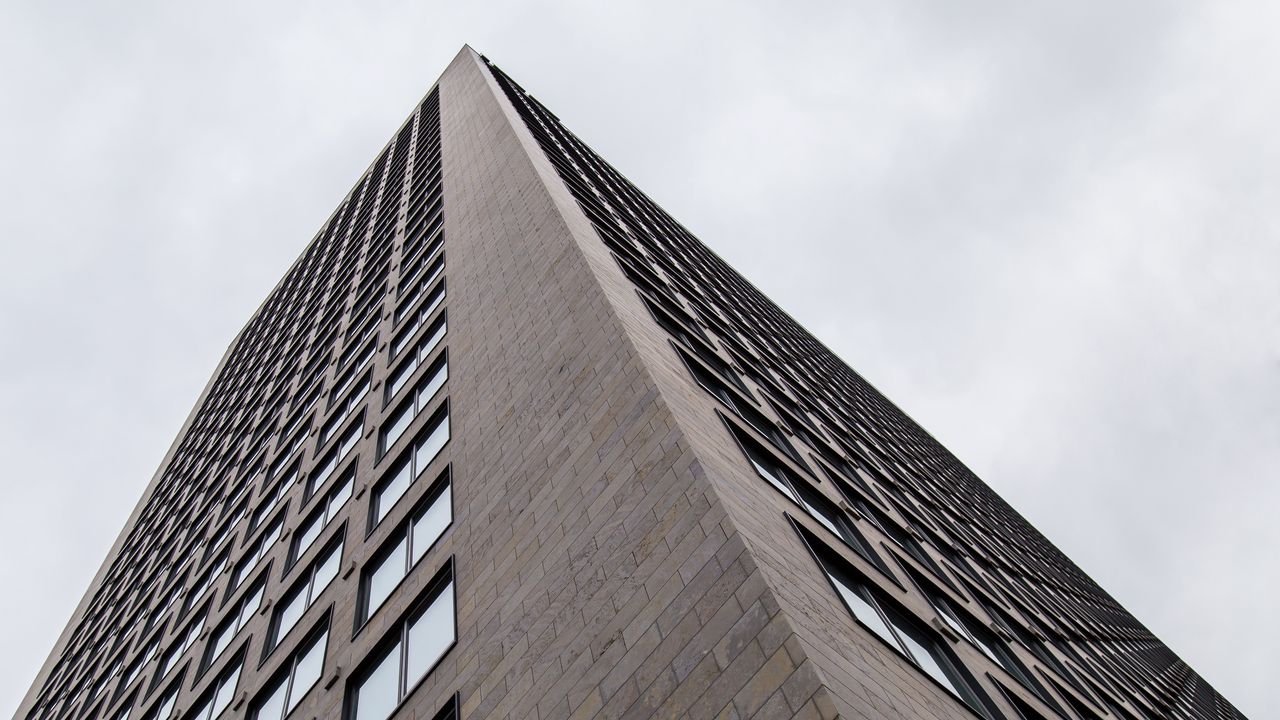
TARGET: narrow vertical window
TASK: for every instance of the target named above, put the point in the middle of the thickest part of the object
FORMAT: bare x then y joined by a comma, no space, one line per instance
396,482
405,548
408,654
300,674
303,595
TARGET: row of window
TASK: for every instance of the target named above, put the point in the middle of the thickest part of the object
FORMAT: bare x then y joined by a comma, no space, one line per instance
346,400
720,379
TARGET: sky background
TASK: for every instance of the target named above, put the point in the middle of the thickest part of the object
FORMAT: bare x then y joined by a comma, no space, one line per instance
1049,231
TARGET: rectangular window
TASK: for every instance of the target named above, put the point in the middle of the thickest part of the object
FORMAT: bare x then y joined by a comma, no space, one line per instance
799,491
163,709
906,635
238,618
300,674
396,482
260,549
271,497
314,525
334,457
347,406
175,651
419,355
405,548
409,653
304,594
423,393
205,582
217,698
433,300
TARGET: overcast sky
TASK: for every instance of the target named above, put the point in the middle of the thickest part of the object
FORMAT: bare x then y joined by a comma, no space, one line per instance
1049,231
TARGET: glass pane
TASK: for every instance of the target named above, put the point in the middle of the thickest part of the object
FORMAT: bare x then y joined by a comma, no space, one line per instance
201,712
436,336
273,707
433,303
433,385
251,605
391,492
308,535
221,641
430,447
863,611
922,651
398,344
226,693
396,384
430,635
768,473
386,576
307,672
290,613
327,571
237,575
378,694
166,707
349,441
821,512
323,473
339,498
432,523
397,425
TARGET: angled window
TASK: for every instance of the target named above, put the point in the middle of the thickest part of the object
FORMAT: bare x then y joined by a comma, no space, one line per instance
907,635
353,360
423,393
205,582
402,551
299,675
170,658
304,593
272,496
397,480
345,409
411,266
415,317
717,387
226,631
312,527
334,457
410,651
965,626
217,698
401,374
163,708
250,561
799,491
134,669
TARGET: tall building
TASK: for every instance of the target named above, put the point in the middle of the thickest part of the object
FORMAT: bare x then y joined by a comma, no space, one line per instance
508,442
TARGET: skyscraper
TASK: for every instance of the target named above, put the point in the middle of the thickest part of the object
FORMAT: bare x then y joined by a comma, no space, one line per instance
508,441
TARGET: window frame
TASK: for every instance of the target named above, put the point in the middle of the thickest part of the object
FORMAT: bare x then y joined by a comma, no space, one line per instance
403,533
396,639
408,456
305,582
288,670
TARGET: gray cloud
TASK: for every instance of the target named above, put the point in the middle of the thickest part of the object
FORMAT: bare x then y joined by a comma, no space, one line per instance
1048,233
